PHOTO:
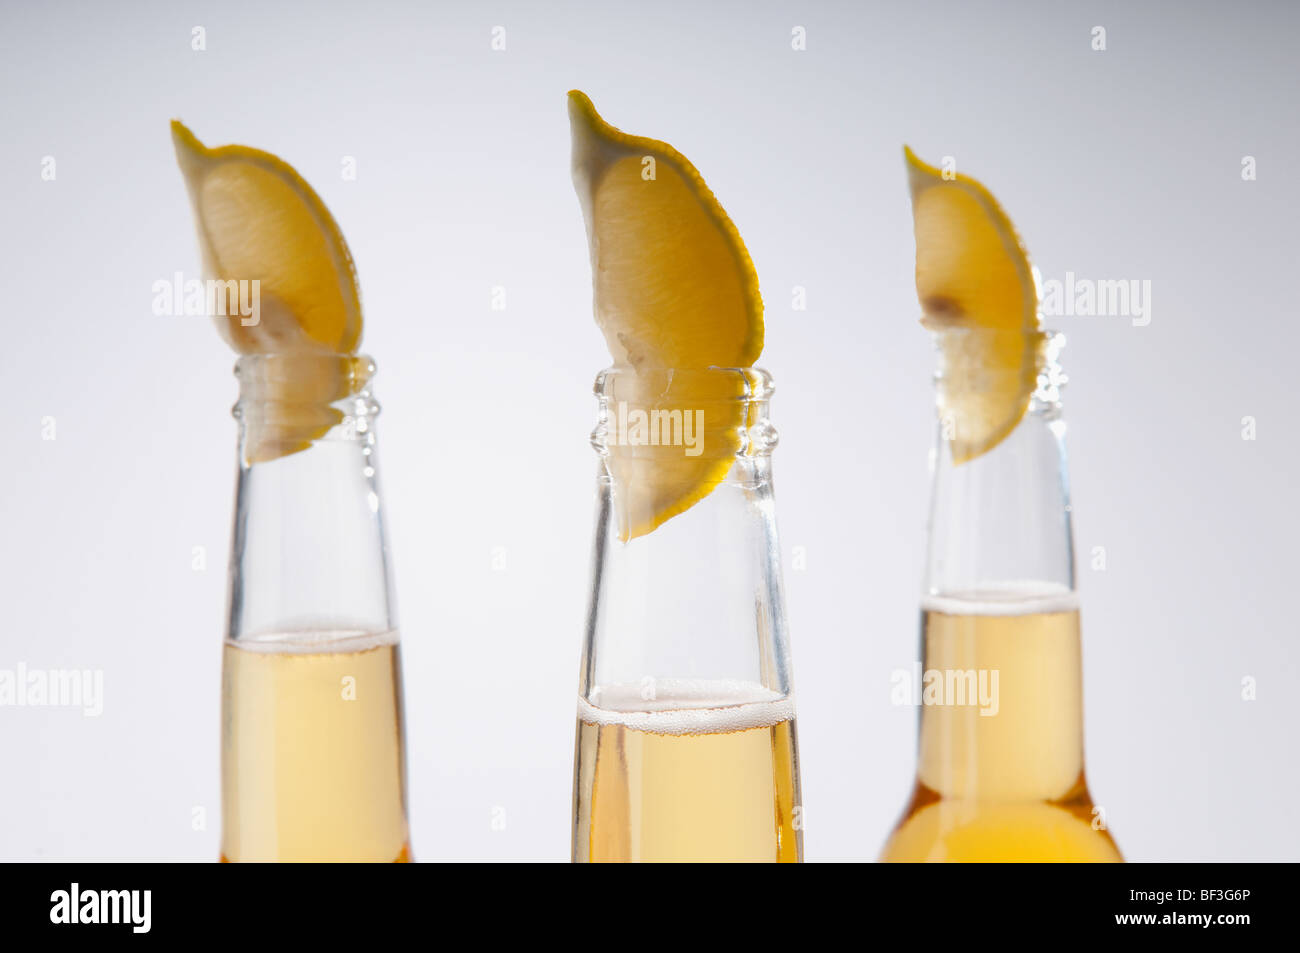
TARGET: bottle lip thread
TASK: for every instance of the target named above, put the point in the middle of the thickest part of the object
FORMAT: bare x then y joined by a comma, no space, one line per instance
714,411
305,394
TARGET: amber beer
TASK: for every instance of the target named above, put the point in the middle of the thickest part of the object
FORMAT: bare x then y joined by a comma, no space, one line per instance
703,772
311,749
1008,785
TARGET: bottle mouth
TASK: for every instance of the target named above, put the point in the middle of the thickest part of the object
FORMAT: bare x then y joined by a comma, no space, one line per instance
265,372
289,402
290,383
713,412
977,361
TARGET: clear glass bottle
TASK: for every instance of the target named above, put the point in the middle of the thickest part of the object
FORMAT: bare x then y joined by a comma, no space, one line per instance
686,746
313,762
1000,772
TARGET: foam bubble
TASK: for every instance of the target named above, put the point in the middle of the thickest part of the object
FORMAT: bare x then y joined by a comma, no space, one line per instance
1005,599
314,642
687,707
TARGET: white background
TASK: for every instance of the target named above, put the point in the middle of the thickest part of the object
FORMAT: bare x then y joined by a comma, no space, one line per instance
1117,164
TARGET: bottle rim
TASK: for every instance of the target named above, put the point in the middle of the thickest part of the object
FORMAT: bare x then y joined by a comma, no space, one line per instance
749,384
1048,337
284,366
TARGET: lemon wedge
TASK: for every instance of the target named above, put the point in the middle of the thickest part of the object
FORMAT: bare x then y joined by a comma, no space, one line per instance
258,221
976,287
674,291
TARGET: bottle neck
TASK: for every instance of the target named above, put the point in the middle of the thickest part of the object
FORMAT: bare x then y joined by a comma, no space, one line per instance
309,554
687,606
1001,715
1000,523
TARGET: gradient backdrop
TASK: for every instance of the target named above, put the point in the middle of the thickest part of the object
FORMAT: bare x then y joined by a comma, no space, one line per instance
1125,163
